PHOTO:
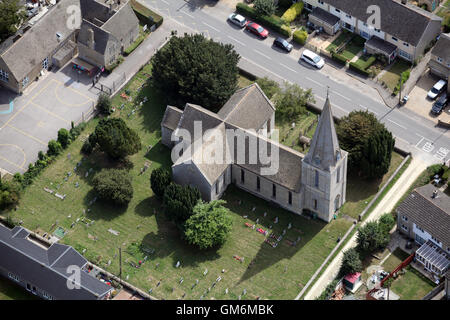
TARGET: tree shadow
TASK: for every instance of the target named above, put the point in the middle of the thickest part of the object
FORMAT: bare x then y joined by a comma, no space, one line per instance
146,207
359,188
159,154
102,209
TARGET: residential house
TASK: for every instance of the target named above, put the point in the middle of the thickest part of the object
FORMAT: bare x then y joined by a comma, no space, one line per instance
440,58
315,183
105,31
424,216
404,30
49,272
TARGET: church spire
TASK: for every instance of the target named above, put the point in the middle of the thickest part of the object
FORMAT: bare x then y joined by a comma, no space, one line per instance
325,151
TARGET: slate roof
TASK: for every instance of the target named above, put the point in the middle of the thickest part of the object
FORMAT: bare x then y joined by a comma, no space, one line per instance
122,22
324,16
46,268
101,37
432,215
325,144
382,45
171,118
442,47
402,21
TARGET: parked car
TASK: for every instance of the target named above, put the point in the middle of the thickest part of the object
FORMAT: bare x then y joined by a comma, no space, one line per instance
440,104
257,29
312,59
238,20
282,44
439,87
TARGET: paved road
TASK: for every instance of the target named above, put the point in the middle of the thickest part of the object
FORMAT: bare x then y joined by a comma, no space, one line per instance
427,142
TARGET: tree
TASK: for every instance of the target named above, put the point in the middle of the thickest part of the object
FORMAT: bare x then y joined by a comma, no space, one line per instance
9,194
115,138
265,7
209,226
369,143
371,237
179,202
104,104
63,137
386,222
54,148
268,86
351,262
387,284
159,180
196,70
113,185
292,100
11,15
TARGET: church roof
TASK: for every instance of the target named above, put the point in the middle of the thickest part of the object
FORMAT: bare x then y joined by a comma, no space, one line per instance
324,149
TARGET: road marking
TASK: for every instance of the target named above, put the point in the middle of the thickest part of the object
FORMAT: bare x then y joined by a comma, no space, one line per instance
18,148
165,2
417,144
49,112
262,54
288,67
368,109
14,164
236,40
267,70
341,95
211,27
28,135
441,153
189,15
314,81
397,124
428,147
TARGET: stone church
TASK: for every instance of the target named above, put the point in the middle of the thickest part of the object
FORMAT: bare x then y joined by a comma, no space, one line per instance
315,182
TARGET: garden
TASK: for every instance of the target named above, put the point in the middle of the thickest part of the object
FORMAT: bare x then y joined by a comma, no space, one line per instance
399,71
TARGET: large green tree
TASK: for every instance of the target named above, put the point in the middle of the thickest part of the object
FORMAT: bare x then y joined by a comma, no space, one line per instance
113,185
11,14
115,138
196,70
209,226
372,236
268,86
179,202
369,143
351,262
9,194
265,7
159,180
291,102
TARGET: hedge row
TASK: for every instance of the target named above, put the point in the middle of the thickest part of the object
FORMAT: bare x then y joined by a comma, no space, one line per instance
145,15
362,67
134,45
273,22
339,58
293,12
403,78
300,36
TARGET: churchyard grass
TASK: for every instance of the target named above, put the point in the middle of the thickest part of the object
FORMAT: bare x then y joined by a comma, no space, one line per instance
10,291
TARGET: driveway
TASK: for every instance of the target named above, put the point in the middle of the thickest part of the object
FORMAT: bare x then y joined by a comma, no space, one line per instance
34,118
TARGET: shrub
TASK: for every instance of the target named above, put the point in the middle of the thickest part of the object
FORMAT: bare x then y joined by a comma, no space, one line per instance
351,262
293,12
159,180
9,194
145,15
268,86
104,104
113,185
265,7
386,222
134,45
54,148
339,58
300,36
403,78
87,147
64,137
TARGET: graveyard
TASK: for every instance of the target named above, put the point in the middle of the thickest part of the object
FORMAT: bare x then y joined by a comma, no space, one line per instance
270,253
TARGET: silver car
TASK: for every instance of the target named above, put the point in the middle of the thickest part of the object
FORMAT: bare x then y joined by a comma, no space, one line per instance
238,20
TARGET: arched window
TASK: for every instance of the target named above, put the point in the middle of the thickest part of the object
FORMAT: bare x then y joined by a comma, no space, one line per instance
316,179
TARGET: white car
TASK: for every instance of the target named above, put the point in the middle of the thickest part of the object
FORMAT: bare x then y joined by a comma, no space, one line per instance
313,59
437,89
237,19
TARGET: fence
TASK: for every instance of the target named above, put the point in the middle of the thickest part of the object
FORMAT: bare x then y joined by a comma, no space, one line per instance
111,88
86,116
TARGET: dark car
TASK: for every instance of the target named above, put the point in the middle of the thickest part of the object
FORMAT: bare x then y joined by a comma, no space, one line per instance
440,104
282,44
257,29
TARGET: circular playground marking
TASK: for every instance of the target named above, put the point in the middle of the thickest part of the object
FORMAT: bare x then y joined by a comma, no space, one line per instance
70,104
21,151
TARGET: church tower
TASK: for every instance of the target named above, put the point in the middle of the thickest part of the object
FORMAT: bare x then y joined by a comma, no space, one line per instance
324,169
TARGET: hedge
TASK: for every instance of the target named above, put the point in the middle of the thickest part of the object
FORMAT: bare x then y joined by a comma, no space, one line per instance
300,36
339,58
293,12
403,78
362,67
273,22
134,45
145,15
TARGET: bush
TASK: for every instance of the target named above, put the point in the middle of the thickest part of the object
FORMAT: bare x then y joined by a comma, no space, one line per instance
268,86
54,148
351,262
159,180
339,58
134,45
293,12
113,185
300,36
64,137
363,66
265,7
104,104
9,194
403,78
386,222
87,147
145,15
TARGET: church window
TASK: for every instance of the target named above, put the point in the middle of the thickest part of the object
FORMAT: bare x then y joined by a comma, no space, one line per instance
338,156
242,176
338,175
217,187
290,198
315,204
316,179
274,191
258,183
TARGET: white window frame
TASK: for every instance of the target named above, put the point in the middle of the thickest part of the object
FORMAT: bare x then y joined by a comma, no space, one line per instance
14,277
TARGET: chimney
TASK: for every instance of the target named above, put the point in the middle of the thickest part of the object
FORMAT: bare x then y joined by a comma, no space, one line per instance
91,41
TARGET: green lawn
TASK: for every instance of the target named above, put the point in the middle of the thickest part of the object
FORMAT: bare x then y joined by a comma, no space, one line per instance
277,273
10,291
355,46
392,76
244,81
360,192
344,36
305,125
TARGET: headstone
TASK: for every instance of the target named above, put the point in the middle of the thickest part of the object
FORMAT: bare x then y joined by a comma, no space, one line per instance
68,156
205,272
257,221
244,292
226,291
181,280
284,232
276,220
177,265
150,290
265,214
196,281
289,225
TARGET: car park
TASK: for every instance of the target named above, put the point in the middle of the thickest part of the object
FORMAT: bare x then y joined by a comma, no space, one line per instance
440,104
437,89
237,20
312,59
257,30
282,44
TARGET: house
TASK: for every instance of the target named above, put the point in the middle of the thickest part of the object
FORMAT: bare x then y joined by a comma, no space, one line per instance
45,271
424,216
235,139
104,32
440,57
404,30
